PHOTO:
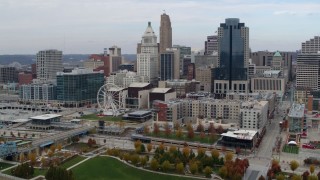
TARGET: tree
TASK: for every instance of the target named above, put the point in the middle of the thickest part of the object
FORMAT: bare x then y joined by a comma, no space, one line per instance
296,177
179,168
134,159
146,129
207,171
311,168
55,173
202,135
261,178
176,126
200,127
154,164
21,157
223,172
201,152
190,133
167,129
305,175
50,153
59,147
215,153
23,171
53,148
32,158
165,166
172,149
294,165
193,167
228,156
280,177
143,161
211,129
179,133
186,151
220,129
313,177
149,147
156,129
43,162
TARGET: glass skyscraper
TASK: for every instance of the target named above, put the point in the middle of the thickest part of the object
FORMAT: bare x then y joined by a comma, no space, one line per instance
232,51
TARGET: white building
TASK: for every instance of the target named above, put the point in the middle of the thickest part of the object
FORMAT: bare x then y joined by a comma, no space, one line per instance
123,78
253,115
147,59
48,62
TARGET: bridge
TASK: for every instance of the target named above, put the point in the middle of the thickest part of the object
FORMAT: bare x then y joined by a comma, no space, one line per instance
54,138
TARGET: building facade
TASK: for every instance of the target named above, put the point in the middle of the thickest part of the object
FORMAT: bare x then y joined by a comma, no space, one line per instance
8,75
308,71
49,62
40,93
115,58
165,33
147,60
211,45
233,57
311,46
79,87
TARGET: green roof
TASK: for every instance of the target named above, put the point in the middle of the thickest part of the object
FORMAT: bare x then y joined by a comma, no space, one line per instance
277,54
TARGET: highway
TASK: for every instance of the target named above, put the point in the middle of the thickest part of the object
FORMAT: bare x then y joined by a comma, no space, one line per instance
55,137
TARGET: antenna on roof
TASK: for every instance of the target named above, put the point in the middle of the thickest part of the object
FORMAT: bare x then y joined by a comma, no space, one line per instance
164,11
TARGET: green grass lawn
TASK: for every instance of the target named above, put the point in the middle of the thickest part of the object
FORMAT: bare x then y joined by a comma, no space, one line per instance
100,168
105,118
196,138
4,165
290,149
74,160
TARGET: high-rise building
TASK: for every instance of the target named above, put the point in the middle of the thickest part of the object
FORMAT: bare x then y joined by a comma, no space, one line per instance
311,46
147,60
37,92
115,58
308,71
211,45
233,58
186,62
8,75
308,65
167,66
49,62
165,33
184,51
79,87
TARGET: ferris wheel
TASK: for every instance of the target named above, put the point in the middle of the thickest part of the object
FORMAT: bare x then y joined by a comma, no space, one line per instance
110,99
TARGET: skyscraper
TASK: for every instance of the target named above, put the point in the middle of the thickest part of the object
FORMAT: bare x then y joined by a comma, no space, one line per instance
233,57
147,59
115,58
308,65
49,62
166,66
211,45
165,33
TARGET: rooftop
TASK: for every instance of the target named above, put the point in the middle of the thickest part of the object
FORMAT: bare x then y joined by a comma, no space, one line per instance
135,84
78,71
241,134
297,110
160,90
46,116
139,112
277,54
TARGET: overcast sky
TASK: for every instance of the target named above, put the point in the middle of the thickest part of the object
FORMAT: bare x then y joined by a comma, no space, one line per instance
88,26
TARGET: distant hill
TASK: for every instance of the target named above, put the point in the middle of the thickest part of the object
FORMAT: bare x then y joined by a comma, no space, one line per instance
67,58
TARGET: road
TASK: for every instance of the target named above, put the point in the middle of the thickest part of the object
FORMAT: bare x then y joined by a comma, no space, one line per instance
260,161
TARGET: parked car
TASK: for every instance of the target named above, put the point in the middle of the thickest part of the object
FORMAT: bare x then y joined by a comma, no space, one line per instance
308,146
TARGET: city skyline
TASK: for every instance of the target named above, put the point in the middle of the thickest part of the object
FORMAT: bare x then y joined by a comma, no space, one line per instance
89,26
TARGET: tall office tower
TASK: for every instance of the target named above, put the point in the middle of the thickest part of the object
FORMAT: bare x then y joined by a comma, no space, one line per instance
311,46
147,59
8,75
308,71
166,66
308,65
277,63
49,62
170,64
233,58
183,52
211,45
115,58
165,33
